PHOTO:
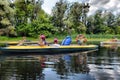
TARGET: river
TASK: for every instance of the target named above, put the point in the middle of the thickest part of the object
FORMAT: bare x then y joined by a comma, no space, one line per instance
103,64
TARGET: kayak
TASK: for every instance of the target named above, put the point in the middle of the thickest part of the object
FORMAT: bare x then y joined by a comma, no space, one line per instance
48,49
16,42
109,44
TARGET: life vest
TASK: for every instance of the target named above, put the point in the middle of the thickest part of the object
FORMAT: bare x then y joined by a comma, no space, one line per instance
67,41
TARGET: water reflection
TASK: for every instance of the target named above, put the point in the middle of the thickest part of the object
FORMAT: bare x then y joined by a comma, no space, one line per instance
13,68
69,67
70,64
103,64
45,67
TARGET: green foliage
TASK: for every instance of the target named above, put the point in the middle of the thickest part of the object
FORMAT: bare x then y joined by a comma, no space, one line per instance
31,19
76,11
109,19
117,30
67,18
38,27
81,28
22,29
27,11
58,13
2,45
102,36
6,17
98,20
5,22
74,16
35,28
103,23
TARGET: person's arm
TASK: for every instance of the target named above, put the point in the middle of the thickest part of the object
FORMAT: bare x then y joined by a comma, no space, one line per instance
20,43
41,43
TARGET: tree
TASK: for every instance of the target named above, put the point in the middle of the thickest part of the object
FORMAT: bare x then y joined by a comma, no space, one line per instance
41,25
90,24
116,26
31,20
6,18
117,30
75,15
27,10
117,22
109,19
58,13
98,22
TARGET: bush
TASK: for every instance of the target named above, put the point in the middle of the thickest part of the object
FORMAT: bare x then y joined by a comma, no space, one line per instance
3,45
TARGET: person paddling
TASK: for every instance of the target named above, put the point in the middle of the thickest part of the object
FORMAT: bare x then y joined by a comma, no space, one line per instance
81,39
21,42
55,43
42,40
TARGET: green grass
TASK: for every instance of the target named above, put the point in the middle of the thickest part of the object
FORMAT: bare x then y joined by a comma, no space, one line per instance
93,37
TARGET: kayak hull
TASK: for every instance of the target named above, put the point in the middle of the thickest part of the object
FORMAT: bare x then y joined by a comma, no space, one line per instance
48,49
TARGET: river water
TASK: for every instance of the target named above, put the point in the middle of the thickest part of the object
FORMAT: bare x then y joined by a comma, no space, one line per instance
103,64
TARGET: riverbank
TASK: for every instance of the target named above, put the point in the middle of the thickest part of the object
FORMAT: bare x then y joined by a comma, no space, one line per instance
95,38
50,39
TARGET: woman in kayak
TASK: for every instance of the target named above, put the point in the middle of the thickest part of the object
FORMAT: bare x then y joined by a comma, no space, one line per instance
42,40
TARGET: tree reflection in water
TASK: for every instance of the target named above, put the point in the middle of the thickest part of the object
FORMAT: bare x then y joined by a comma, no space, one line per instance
21,69
71,64
63,66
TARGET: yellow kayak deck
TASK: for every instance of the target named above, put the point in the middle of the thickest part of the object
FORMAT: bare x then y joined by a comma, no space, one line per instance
34,47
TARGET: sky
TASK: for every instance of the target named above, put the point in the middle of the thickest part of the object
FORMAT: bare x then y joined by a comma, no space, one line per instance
108,5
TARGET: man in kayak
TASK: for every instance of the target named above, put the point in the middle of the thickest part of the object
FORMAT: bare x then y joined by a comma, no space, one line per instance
114,39
81,39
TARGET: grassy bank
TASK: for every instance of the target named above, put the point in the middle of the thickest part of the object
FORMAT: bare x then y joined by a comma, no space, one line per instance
90,38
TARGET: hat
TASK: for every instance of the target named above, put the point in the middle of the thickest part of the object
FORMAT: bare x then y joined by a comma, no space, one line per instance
42,36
